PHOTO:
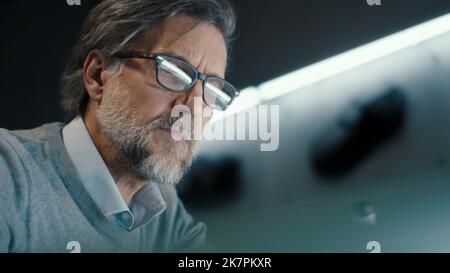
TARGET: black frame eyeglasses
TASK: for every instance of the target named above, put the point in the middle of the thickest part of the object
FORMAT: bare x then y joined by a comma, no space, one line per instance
177,75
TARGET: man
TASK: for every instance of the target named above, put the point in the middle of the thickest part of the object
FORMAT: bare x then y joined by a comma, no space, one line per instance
105,181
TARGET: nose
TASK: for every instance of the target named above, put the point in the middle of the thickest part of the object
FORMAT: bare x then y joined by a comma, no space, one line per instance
193,98
189,97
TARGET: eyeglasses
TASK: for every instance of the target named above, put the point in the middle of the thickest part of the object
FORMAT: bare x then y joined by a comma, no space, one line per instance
177,75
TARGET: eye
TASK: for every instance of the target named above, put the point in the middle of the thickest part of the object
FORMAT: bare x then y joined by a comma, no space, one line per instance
175,75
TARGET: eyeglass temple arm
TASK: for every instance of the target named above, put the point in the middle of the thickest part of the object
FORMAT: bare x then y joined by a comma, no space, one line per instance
134,54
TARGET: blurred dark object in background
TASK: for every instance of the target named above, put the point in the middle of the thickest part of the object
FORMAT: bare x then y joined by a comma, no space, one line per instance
210,182
358,132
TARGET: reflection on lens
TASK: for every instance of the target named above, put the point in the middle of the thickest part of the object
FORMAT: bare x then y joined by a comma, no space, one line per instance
174,75
216,94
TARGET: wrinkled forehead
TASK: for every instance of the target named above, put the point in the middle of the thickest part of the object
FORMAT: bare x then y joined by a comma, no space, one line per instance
189,38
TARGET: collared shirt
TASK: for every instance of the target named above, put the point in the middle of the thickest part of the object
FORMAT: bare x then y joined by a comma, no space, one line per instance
146,204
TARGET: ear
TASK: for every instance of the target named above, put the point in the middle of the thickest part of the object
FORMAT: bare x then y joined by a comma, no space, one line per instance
93,67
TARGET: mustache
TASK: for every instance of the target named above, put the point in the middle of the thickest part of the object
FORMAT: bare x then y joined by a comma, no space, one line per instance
165,121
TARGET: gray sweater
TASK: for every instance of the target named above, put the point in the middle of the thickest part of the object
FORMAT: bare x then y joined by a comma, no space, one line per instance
44,205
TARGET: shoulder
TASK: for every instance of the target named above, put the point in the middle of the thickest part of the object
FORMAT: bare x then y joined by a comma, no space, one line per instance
14,139
19,151
35,135
20,147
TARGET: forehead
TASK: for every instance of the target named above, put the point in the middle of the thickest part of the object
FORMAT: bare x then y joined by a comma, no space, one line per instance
196,42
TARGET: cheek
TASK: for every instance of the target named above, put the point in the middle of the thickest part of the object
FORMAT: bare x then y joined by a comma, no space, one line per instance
146,99
150,105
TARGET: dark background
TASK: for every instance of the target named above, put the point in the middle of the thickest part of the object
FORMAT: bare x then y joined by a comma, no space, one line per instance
273,38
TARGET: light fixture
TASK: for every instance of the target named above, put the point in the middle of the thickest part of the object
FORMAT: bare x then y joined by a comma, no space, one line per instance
314,73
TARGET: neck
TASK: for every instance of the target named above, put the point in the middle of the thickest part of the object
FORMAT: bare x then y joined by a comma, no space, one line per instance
127,181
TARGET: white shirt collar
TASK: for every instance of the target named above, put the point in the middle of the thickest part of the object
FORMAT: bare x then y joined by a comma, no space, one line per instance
96,178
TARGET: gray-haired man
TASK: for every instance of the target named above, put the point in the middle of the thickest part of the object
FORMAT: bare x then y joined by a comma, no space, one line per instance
106,180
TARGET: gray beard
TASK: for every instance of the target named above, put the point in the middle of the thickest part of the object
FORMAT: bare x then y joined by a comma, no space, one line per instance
138,147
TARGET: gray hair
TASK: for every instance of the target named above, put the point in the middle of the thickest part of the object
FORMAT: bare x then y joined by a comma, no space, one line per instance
115,25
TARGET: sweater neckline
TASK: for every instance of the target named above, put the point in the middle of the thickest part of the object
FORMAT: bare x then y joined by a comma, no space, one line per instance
64,166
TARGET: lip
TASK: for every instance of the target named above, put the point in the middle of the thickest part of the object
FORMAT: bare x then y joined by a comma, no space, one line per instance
170,130
167,130
178,134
